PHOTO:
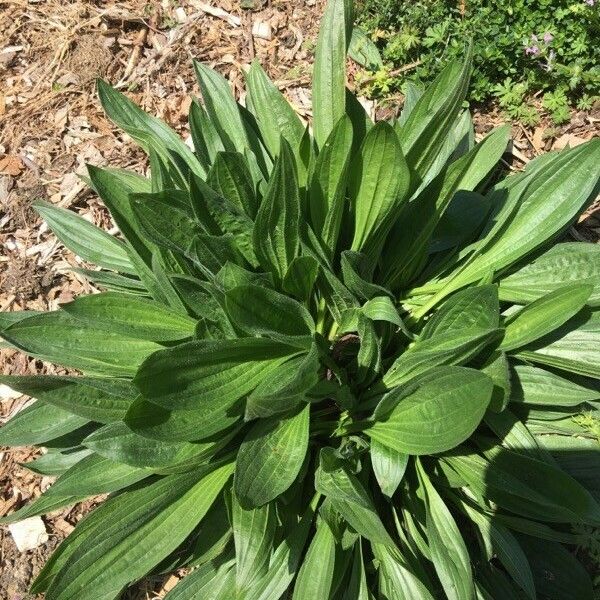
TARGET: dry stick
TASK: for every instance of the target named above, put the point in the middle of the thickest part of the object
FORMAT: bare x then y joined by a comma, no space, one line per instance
153,62
529,138
250,38
140,40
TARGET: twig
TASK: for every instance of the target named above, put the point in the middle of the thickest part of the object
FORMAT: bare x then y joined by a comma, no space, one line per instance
157,58
250,38
284,83
216,12
140,40
529,138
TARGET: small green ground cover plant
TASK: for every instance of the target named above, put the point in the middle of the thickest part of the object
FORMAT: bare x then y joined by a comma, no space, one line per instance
520,49
339,362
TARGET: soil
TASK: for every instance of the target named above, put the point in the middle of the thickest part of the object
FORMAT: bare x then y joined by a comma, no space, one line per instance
51,125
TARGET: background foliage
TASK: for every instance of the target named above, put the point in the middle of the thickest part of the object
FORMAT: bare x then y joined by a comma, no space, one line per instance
520,48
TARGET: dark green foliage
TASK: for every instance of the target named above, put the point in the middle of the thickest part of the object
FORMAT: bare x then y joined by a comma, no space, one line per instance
333,367
520,48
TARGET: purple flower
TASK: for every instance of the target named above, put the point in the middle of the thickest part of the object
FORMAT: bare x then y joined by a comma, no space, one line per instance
548,37
532,50
590,2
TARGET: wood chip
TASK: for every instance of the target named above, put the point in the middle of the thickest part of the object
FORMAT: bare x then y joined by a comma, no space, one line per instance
538,139
568,139
262,30
11,165
216,12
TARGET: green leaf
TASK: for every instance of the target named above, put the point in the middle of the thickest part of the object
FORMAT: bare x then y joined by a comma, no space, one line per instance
356,273
413,232
214,534
570,262
205,137
574,348
515,435
369,354
348,497
361,121
253,535
357,585
284,562
84,239
284,388
535,386
148,131
379,184
219,215
315,577
276,237
57,337
144,526
260,311
433,116
389,467
497,368
270,458
108,280
209,581
329,73
135,317
221,108
231,179
210,253
544,315
91,476
114,187
56,462
118,442
453,347
363,51
301,277
274,115
476,307
459,225
329,181
37,424
155,422
8,318
440,414
558,575
398,579
167,224
381,308
96,399
496,583
548,199
501,543
205,373
527,486
448,551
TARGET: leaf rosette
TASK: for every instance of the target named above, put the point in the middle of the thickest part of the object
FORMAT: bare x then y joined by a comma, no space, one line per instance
339,361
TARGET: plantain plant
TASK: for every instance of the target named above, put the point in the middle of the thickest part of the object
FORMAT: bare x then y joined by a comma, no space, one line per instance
343,361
